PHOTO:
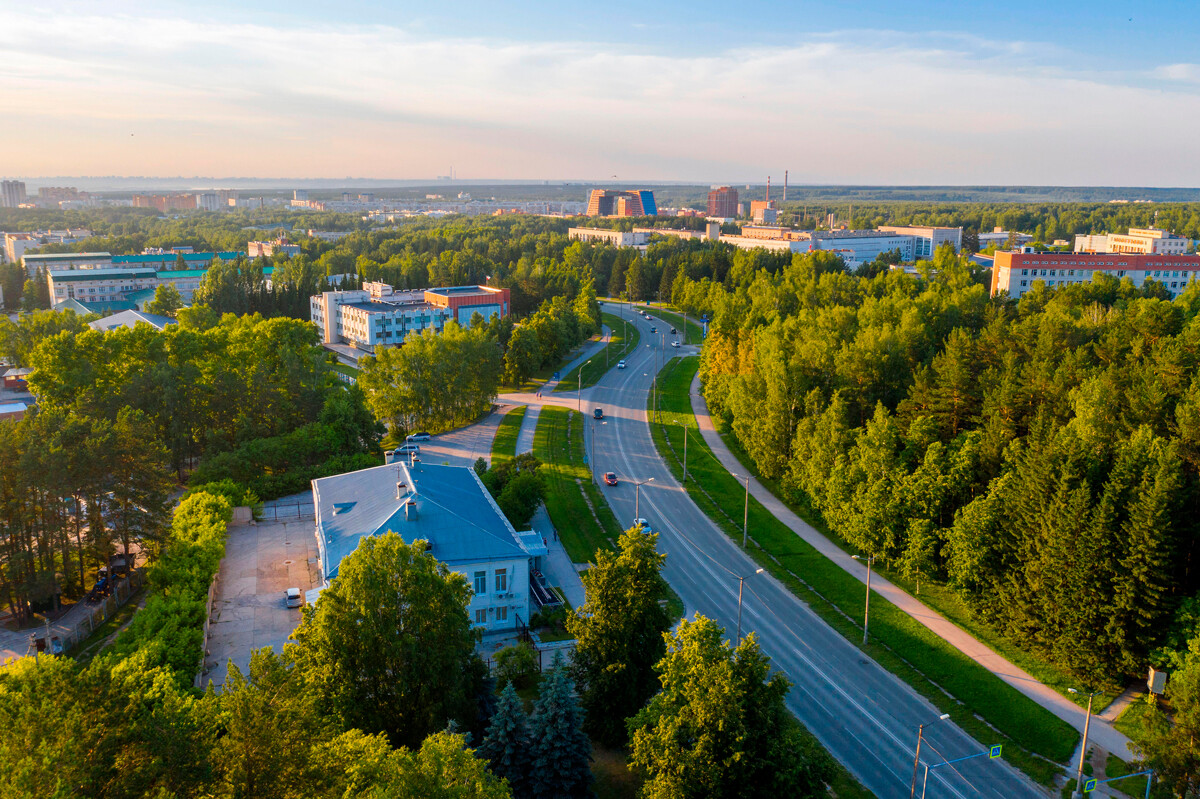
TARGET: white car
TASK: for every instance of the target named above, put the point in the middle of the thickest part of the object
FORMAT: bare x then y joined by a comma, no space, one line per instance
620,364
643,525
294,598
675,344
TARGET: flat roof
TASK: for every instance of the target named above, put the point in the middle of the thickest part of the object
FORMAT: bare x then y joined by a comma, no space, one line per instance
462,291
187,257
81,275
13,407
66,256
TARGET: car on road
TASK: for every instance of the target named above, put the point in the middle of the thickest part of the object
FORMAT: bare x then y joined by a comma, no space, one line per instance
642,525
653,329
620,364
675,344
598,413
294,598
422,436
673,331
610,478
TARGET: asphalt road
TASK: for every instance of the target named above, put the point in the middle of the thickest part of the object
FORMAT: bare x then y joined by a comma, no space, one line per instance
864,716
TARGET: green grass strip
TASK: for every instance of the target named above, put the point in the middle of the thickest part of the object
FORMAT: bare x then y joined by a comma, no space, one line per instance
979,702
504,444
617,348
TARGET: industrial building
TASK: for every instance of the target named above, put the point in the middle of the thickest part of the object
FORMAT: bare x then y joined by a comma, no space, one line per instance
448,508
379,315
613,202
1144,241
1016,272
926,240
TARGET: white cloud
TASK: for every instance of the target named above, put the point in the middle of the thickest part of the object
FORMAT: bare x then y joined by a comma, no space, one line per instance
208,98
1180,72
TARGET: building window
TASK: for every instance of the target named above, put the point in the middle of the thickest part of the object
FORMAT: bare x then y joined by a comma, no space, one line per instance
501,580
1022,282
480,582
481,616
502,614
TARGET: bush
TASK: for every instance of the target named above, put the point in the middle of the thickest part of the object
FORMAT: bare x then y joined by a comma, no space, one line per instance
516,664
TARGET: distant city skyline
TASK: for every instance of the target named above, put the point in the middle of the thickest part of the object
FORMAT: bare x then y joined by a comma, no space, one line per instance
1080,94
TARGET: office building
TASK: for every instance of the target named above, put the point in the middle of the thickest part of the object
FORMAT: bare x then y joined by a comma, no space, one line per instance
124,279
1144,241
448,508
926,240
166,202
723,202
1016,272
612,202
1000,238
66,260
12,193
854,246
279,246
617,238
378,315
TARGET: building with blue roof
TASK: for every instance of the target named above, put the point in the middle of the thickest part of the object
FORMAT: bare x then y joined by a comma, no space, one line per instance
450,509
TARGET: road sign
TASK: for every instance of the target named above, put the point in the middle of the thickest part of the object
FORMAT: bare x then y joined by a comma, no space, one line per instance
1089,785
994,752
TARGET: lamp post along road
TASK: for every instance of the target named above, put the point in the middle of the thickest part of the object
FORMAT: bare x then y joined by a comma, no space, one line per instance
742,585
870,561
637,498
579,394
685,429
1087,723
745,508
917,759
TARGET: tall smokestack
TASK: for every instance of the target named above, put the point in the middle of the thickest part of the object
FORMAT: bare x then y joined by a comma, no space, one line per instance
768,188
785,185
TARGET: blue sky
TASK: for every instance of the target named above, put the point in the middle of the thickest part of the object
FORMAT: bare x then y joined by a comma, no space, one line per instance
1099,93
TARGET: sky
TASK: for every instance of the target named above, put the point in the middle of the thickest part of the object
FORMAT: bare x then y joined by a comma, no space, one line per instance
855,92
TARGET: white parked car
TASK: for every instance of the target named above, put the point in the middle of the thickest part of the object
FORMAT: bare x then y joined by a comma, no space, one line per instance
620,364
294,598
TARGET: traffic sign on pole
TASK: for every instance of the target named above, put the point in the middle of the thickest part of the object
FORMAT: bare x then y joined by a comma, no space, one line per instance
1089,785
994,752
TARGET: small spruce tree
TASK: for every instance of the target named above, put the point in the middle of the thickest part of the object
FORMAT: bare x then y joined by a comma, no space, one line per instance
506,746
561,751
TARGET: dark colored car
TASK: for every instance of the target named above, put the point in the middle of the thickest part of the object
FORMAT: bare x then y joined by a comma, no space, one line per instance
610,478
598,413
672,331
653,329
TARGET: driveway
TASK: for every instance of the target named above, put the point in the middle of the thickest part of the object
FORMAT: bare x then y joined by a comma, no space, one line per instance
261,562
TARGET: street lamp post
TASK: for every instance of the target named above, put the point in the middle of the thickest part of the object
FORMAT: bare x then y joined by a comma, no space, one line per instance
1087,722
917,760
741,585
579,378
637,498
685,429
870,561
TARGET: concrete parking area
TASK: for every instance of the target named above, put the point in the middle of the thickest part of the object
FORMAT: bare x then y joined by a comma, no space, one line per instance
261,562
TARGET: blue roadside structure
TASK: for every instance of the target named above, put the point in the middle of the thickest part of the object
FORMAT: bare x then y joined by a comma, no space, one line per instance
991,753
1090,785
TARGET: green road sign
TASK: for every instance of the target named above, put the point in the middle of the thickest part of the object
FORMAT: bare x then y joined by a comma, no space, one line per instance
1089,785
994,752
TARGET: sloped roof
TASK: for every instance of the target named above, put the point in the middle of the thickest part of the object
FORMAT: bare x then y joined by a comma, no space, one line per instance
131,318
454,513
95,306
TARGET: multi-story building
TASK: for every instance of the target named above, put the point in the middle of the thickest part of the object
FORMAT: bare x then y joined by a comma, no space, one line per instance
1016,272
15,244
617,238
166,202
378,316
854,246
1145,241
67,260
125,282
723,202
926,240
12,193
167,261
448,508
999,237
613,202
279,246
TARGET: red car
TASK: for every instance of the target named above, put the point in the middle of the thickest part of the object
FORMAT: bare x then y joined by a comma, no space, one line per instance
610,478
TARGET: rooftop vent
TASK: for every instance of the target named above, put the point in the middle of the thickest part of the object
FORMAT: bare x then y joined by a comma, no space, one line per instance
400,486
410,510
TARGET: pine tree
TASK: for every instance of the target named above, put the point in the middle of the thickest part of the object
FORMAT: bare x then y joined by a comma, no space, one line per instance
506,746
561,751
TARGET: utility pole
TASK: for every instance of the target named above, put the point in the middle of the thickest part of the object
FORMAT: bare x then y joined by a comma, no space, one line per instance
870,561
685,429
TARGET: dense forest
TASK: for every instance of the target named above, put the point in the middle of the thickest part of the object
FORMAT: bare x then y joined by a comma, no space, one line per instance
1040,456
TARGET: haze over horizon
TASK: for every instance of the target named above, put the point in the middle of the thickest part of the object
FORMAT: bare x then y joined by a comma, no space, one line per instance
1011,94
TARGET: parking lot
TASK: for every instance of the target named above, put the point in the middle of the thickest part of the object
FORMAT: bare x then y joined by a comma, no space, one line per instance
261,562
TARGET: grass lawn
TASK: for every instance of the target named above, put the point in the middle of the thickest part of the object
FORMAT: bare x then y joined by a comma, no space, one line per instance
993,712
1130,721
349,371
614,780
1134,786
616,349
937,596
558,444
504,445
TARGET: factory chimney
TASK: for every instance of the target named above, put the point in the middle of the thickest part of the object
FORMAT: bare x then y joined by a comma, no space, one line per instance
785,185
768,189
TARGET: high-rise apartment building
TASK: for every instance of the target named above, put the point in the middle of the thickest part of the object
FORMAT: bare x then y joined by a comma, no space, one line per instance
12,193
723,202
614,202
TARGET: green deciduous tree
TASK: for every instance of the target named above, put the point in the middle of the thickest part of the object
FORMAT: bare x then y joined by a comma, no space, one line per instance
167,301
619,635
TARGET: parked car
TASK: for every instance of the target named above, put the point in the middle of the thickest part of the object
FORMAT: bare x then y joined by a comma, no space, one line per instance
620,364
610,478
675,344
404,449
598,413
422,436
642,525
294,598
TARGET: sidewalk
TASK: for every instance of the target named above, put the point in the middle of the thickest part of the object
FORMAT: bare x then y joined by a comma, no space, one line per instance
559,569
1101,732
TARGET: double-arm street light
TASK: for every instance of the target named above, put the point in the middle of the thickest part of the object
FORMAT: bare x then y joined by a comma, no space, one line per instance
1087,722
917,760
870,561
637,497
741,585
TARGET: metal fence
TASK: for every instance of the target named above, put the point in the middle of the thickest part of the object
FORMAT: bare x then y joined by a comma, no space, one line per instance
286,512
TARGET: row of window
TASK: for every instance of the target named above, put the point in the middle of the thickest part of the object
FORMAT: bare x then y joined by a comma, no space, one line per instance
1165,273
1174,284
481,614
501,581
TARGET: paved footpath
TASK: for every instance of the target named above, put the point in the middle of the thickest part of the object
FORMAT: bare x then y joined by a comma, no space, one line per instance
1101,733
